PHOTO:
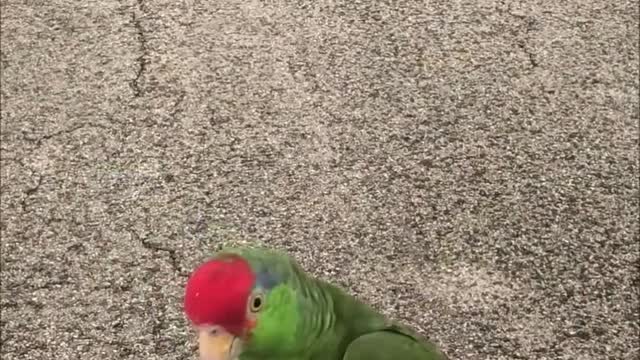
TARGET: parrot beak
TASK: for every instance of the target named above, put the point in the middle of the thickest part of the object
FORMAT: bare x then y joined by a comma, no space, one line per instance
215,343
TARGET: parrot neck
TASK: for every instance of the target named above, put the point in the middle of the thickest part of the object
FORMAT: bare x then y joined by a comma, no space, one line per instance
331,318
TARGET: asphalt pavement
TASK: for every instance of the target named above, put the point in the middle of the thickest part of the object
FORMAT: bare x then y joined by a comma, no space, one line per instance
468,167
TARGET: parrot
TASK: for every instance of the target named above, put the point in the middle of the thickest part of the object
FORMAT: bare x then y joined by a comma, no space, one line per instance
254,303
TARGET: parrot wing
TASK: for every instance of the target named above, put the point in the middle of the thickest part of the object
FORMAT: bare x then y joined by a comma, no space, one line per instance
392,344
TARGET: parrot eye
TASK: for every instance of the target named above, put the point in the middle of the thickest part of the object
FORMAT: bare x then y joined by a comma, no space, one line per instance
256,302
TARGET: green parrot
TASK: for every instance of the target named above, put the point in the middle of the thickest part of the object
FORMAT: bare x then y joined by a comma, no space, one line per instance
259,304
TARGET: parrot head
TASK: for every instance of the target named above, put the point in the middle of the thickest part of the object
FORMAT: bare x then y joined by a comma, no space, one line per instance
240,304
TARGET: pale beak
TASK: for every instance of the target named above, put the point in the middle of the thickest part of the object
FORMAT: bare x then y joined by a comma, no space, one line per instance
217,344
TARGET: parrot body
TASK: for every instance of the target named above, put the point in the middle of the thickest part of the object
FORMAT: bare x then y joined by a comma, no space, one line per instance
266,307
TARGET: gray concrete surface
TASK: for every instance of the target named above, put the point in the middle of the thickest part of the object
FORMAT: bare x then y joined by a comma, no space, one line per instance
470,167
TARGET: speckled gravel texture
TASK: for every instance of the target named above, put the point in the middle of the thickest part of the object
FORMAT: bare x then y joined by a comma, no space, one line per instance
468,167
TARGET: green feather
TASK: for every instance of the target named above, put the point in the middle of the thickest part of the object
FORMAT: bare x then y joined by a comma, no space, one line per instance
305,318
389,345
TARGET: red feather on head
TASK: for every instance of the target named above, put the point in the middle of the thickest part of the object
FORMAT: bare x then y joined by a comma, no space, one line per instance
217,293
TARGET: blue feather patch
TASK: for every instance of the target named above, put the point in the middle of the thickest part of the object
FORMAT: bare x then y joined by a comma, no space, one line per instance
267,280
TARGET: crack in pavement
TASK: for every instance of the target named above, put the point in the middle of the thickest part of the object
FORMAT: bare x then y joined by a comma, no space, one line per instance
29,192
21,163
171,253
19,288
141,60
158,319
524,43
38,141
157,314
175,109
